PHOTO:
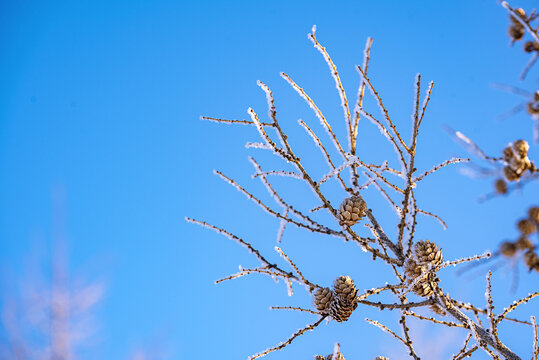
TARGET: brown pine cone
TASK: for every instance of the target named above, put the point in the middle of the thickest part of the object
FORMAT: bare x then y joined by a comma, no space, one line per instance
344,287
322,300
428,283
516,31
341,308
521,147
533,214
531,46
533,108
352,210
510,174
508,154
501,186
526,227
427,252
531,259
508,249
523,243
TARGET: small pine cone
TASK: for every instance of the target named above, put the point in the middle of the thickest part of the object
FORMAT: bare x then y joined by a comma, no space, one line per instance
426,287
319,357
508,154
516,31
501,186
323,299
342,308
531,259
519,165
438,310
352,210
533,214
526,227
412,270
524,243
508,249
531,46
533,108
345,288
510,174
521,147
338,356
428,252
381,358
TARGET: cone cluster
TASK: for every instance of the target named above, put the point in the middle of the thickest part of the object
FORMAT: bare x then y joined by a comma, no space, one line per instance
516,157
426,254
338,303
352,210
527,227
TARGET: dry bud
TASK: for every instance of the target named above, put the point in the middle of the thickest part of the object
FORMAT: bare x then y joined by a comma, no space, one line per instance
352,210
526,227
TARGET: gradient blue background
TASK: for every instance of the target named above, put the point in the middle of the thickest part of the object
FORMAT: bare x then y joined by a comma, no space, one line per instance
100,101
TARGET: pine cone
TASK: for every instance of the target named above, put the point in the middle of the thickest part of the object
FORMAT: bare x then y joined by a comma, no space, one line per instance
341,308
533,108
510,174
508,154
352,210
323,299
501,186
531,46
427,252
516,31
523,243
533,214
344,288
428,283
508,249
339,356
381,358
531,259
526,227
521,147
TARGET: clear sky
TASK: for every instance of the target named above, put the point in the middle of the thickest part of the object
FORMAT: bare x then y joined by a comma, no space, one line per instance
101,143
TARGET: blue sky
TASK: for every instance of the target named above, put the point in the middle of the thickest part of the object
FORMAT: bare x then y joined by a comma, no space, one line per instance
99,114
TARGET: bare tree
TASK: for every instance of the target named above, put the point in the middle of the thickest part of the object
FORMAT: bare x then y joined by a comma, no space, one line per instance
414,263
